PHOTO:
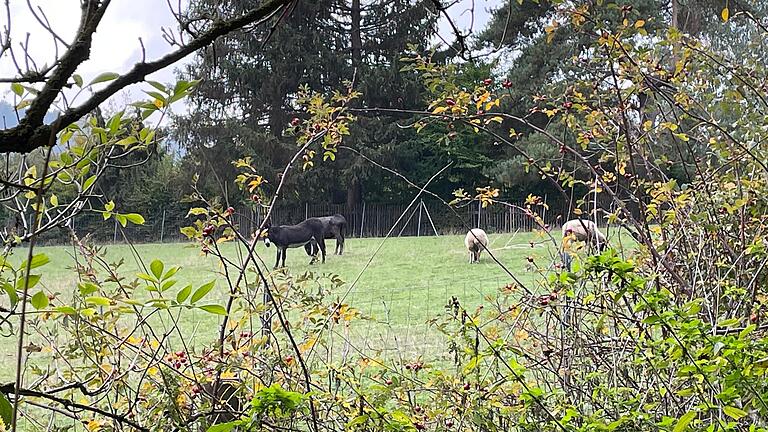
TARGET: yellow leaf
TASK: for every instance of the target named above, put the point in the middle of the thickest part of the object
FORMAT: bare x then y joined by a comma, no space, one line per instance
639,23
725,14
228,375
94,425
306,346
158,103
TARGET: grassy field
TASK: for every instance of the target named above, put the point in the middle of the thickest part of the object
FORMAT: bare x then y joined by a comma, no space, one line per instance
407,282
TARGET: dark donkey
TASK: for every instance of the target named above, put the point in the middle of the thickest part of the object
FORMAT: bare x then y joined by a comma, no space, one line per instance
333,227
292,236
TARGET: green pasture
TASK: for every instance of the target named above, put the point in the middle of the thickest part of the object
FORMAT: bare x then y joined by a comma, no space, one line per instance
401,283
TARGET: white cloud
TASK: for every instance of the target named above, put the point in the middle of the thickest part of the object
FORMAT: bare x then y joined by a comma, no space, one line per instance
116,46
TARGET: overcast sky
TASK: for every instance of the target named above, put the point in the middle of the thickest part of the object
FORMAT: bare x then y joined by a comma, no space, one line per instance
116,44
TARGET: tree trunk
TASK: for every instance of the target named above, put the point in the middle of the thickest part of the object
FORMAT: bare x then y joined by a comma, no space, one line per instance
357,42
354,193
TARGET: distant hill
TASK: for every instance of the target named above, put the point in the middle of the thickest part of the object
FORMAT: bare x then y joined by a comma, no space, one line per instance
8,115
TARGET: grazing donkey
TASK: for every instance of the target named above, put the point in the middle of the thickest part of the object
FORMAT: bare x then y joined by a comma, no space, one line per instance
292,236
333,227
475,241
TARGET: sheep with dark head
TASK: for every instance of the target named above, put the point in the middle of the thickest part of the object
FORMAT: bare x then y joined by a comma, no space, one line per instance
475,241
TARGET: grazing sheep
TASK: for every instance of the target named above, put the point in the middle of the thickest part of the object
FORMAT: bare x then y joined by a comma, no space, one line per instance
475,241
584,230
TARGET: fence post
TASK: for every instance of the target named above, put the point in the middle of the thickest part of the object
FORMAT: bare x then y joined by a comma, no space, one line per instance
479,209
418,228
114,238
362,220
162,227
306,210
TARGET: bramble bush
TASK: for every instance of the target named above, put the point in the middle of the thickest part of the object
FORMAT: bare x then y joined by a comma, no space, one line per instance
664,332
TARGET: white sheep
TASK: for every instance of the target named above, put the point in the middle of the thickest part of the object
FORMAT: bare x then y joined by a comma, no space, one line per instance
586,231
475,241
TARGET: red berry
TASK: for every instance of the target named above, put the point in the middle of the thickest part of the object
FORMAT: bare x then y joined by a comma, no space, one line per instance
230,210
288,359
208,230
295,121
531,161
568,105
480,112
553,296
408,366
388,381
466,386
450,102
506,84
488,81
449,423
753,318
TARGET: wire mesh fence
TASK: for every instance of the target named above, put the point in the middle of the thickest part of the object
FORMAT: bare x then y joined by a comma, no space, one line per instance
424,218
400,323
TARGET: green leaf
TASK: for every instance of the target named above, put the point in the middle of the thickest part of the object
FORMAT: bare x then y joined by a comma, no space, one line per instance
12,295
87,288
128,141
97,301
146,277
33,280
78,80
195,211
67,310
733,412
37,261
17,88
202,291
109,206
184,294
684,421
39,300
88,183
171,271
223,427
121,219
6,410
157,268
135,218
106,76
167,285
132,302
728,323
214,309
158,86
